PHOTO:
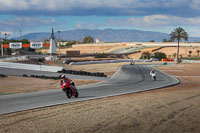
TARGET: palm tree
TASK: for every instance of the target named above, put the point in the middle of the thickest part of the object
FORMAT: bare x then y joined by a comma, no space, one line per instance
190,52
178,34
174,54
198,51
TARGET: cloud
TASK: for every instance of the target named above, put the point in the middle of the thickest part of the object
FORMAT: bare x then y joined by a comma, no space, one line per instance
100,7
24,23
155,21
18,5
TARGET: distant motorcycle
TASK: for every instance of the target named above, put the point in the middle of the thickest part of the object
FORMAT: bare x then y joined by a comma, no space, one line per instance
69,88
153,75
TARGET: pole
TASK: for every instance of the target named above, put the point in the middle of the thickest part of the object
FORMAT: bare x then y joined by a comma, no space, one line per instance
20,35
1,49
5,39
59,42
1,46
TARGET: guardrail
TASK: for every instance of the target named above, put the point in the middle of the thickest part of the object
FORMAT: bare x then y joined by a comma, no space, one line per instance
30,67
108,61
190,61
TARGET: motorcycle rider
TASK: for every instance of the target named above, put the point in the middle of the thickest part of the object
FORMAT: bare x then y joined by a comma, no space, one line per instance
153,73
63,81
68,86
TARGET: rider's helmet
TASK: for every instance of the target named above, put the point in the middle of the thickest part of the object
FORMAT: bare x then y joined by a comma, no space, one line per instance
62,76
152,71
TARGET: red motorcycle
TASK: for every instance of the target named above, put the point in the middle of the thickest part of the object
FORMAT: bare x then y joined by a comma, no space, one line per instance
69,88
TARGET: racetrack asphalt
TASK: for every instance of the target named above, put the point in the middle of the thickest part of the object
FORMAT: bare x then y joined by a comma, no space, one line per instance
128,79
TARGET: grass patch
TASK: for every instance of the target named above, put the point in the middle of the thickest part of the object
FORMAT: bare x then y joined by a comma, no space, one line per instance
191,58
101,55
1,94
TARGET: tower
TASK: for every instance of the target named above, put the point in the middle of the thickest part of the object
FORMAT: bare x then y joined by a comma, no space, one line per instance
52,49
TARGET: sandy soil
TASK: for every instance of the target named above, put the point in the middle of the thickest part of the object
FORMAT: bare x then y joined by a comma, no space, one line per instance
82,49
184,51
174,109
108,68
12,84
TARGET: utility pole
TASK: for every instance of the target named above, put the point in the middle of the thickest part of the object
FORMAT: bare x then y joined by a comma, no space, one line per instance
1,45
6,35
20,34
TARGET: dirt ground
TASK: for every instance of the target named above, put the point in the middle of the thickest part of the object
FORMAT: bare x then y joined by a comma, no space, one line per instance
174,109
169,51
184,51
12,84
82,49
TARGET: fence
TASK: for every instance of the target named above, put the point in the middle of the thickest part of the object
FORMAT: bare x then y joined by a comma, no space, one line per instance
30,67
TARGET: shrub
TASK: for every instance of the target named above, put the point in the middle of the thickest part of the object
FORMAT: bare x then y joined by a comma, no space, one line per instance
159,55
145,55
100,55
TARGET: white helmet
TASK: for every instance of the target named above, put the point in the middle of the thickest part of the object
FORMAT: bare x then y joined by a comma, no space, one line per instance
62,76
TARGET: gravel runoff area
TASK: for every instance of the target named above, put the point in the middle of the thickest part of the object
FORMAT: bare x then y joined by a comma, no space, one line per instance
173,109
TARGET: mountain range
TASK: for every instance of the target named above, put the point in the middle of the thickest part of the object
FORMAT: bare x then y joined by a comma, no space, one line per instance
106,35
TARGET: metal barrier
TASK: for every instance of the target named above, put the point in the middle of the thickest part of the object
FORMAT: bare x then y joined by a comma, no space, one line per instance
190,61
108,61
30,67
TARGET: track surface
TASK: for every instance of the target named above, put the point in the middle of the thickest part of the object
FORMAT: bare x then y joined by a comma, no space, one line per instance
129,78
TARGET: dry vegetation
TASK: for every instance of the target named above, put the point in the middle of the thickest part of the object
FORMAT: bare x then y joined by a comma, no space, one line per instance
12,84
184,51
174,109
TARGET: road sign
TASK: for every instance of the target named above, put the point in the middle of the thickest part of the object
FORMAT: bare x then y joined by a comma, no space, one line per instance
15,45
36,44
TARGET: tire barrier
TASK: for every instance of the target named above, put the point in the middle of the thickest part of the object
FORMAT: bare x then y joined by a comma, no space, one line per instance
97,74
3,76
41,77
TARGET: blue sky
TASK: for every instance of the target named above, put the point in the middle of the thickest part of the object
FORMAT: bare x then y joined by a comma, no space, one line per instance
32,16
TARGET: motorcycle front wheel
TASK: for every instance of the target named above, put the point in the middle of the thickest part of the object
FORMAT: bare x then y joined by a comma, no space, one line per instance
69,93
76,92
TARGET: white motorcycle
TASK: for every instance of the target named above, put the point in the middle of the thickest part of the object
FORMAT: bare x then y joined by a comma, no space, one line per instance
153,75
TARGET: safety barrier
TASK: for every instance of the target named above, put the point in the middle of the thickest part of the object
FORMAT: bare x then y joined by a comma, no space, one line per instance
167,60
97,74
108,61
190,61
30,67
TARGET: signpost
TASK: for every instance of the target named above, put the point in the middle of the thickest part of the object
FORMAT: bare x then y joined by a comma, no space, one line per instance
36,45
15,45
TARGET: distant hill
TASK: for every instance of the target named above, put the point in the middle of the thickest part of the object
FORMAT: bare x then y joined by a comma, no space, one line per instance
107,35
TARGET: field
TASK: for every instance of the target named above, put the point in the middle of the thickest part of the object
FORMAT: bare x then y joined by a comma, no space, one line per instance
169,51
173,109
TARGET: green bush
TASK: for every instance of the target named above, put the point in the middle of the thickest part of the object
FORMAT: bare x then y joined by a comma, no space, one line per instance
145,55
191,58
159,55
101,55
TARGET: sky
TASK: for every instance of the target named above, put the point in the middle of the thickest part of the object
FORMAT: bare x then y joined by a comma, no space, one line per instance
32,16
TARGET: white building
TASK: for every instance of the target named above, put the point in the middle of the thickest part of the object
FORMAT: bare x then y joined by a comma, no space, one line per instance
98,40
